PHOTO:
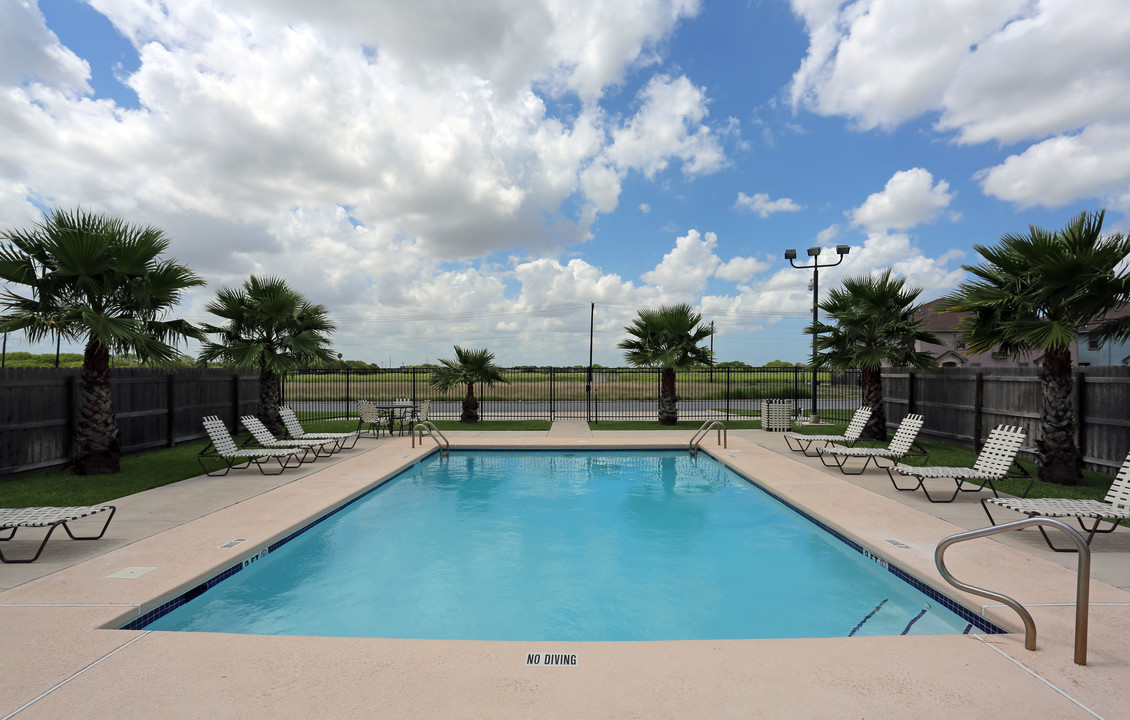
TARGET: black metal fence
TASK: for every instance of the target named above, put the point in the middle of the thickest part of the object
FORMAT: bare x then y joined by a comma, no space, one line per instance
552,393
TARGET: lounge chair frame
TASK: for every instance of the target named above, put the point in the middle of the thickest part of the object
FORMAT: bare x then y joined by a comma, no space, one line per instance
221,446
851,435
261,437
1113,508
993,463
295,430
902,445
49,517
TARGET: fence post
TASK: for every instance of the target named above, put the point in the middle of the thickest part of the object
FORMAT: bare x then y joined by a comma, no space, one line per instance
909,392
728,368
171,403
72,414
1077,400
978,401
235,402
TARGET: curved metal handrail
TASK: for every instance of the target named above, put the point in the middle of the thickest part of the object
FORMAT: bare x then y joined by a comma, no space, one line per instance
427,426
723,438
1082,590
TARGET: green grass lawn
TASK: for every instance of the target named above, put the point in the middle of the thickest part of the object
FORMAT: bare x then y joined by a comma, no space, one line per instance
162,467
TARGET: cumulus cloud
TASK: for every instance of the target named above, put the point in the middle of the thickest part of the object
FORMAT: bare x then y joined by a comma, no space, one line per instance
740,268
1063,169
1052,72
764,207
668,125
910,197
684,271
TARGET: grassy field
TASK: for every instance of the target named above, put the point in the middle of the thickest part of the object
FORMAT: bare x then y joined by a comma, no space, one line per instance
160,467
541,386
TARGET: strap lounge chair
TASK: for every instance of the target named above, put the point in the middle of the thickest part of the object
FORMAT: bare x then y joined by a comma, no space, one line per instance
1115,507
51,518
221,446
850,436
262,437
371,419
294,429
993,463
901,446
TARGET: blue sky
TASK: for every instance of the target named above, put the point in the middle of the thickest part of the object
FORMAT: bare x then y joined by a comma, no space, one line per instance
477,172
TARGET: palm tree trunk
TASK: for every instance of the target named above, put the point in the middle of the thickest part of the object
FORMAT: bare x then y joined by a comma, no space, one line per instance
1059,458
668,400
470,412
270,396
97,448
876,427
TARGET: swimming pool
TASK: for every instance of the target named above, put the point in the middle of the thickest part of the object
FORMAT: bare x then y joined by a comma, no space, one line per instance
581,545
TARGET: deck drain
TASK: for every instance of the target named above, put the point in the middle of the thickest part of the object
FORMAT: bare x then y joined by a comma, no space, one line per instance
233,543
896,543
131,572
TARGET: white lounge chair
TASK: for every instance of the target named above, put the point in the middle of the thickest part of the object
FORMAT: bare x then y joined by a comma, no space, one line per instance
221,446
1115,507
262,437
901,446
295,430
850,437
51,518
993,463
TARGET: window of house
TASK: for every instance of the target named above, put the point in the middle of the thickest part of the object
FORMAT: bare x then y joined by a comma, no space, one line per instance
960,344
1094,344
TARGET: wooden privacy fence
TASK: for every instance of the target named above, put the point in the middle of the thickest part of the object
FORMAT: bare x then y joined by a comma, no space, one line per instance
155,408
963,404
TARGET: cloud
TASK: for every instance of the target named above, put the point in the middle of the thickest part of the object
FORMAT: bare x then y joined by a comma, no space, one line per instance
740,268
761,204
910,197
1062,169
1049,72
668,125
684,271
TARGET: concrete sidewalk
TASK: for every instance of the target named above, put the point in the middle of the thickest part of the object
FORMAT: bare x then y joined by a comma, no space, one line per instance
65,659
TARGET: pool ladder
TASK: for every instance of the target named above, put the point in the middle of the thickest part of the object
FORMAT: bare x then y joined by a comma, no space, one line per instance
1082,591
427,427
703,431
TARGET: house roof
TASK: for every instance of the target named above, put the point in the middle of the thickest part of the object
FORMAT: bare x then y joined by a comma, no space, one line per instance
938,321
949,321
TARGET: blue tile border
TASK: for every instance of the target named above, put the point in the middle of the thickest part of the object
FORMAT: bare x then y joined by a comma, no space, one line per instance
961,611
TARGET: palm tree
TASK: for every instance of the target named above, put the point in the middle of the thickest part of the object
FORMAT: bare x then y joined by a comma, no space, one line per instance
874,327
97,280
1035,292
468,367
272,328
667,338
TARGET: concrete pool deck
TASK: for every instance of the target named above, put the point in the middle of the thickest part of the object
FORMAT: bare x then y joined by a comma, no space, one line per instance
63,662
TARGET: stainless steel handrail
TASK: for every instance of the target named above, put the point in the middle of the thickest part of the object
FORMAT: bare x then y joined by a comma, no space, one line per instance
723,438
427,426
1082,590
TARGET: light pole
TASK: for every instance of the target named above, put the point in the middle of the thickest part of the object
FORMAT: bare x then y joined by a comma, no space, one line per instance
814,253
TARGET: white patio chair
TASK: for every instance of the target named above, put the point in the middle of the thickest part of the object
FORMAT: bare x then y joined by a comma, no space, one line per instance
850,437
262,437
993,463
51,518
371,420
1113,508
901,446
295,430
221,446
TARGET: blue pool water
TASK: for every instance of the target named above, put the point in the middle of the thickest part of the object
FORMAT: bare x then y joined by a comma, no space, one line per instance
536,545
